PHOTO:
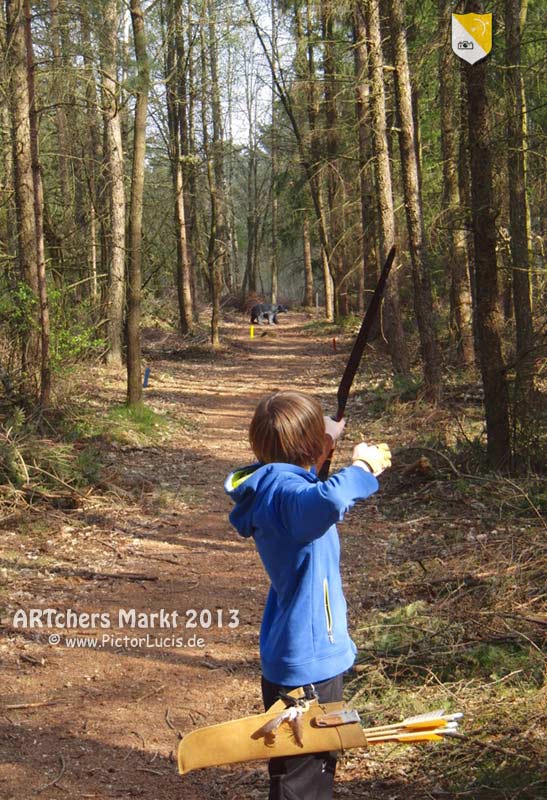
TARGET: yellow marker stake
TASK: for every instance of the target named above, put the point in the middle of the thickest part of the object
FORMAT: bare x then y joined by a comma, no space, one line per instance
252,332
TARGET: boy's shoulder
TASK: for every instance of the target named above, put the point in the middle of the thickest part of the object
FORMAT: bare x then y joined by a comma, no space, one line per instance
285,475
282,468
256,477
281,471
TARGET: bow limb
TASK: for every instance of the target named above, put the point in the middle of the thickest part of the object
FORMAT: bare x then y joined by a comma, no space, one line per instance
323,464
325,458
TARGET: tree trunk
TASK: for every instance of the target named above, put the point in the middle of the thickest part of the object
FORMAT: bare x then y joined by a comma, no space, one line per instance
423,300
274,262
134,271
177,135
232,256
328,285
308,268
314,171
9,227
92,157
27,253
22,158
386,222
464,187
123,67
486,269
222,247
518,211
183,120
213,263
193,216
460,291
249,282
333,180
65,184
116,286
184,265
369,273
45,365
274,259
310,157
250,277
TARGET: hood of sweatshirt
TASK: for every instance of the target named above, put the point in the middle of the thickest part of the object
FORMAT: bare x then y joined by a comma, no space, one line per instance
244,483
241,486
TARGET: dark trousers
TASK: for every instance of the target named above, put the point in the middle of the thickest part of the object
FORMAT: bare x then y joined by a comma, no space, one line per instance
307,777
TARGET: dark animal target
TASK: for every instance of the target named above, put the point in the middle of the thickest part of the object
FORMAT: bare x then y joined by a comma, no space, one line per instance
267,312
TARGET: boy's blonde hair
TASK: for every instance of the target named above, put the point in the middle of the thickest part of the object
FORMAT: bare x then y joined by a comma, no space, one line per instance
288,427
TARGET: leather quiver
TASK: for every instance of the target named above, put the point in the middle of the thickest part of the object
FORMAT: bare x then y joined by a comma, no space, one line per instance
244,740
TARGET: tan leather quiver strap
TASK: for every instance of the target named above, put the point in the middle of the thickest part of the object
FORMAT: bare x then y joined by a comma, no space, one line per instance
243,739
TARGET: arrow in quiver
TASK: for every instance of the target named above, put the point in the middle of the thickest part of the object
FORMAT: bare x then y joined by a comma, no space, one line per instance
305,726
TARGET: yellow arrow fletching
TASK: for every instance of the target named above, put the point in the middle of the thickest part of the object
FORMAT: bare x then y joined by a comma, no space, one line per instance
405,738
434,719
433,727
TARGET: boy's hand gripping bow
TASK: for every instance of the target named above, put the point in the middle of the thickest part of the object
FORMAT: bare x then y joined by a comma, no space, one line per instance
356,354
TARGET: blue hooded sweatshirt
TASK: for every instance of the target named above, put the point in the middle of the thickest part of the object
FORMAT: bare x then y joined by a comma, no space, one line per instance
292,514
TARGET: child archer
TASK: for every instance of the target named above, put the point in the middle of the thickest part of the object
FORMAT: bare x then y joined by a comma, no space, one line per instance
291,515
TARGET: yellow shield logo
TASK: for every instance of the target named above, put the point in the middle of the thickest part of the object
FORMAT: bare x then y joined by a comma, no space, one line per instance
471,36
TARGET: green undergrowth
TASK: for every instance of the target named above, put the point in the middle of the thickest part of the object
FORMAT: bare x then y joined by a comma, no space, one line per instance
386,394
456,620
501,754
66,448
413,660
413,639
136,425
455,425
455,604
344,325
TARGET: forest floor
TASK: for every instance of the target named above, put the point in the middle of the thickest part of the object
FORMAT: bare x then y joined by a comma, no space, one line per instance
445,575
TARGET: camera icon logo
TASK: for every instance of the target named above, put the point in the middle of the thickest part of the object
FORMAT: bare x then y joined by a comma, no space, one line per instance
471,36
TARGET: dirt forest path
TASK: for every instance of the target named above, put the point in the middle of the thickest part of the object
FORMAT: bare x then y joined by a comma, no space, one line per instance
102,723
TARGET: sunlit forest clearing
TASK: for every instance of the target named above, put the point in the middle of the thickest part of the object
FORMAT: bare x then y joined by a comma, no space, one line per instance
166,165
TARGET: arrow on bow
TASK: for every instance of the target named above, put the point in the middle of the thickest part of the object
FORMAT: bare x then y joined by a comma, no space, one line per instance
356,354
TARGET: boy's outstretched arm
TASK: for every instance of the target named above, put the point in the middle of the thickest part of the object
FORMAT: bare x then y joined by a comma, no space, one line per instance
307,511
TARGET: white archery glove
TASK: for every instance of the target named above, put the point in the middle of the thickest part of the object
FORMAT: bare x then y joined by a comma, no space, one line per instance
373,458
333,428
